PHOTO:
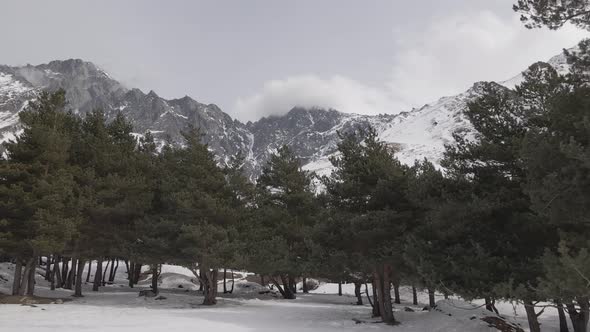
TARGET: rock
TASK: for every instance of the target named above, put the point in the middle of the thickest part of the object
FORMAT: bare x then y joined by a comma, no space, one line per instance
159,298
426,308
59,301
408,309
180,286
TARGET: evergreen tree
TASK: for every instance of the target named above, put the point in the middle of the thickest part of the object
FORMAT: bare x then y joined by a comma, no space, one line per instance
371,185
284,216
556,154
39,197
554,13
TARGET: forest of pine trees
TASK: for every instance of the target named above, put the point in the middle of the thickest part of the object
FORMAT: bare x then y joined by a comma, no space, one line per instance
504,219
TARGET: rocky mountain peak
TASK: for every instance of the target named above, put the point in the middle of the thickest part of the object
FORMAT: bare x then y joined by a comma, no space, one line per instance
311,132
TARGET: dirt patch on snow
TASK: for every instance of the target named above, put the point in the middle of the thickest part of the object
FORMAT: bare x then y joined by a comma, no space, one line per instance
29,300
501,324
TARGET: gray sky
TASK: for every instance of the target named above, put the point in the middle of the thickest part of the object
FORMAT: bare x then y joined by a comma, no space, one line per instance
262,57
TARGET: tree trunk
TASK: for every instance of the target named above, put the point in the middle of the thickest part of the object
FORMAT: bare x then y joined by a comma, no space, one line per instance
376,307
384,294
79,273
31,277
104,273
155,278
48,268
262,283
287,290
65,266
357,292
397,299
89,269
531,316
209,286
304,286
18,271
579,316
70,278
491,305
56,279
224,281
414,296
25,280
137,273
130,272
369,297
431,299
562,319
233,282
339,288
112,276
97,275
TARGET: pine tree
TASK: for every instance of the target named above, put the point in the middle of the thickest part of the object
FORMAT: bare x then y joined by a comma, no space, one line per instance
371,185
282,221
39,192
556,154
554,14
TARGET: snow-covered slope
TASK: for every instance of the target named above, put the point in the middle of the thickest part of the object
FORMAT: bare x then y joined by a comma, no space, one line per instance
311,133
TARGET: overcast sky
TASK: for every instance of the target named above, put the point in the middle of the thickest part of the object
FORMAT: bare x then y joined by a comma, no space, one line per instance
260,57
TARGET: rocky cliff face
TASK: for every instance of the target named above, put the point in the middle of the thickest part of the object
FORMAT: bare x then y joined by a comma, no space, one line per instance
311,133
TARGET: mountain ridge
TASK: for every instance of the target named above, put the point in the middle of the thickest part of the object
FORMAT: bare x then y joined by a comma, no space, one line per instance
311,132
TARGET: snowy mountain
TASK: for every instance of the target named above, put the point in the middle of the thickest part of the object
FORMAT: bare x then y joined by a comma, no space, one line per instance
311,133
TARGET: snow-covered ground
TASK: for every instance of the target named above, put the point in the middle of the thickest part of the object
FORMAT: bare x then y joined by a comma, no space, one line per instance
119,308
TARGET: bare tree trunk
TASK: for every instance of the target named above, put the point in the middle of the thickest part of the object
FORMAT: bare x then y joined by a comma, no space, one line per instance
89,269
65,266
579,316
384,293
18,271
48,268
155,275
414,296
287,290
369,298
233,282
562,319
97,275
491,305
56,280
137,273
130,273
112,277
397,299
431,299
531,316
209,286
304,286
24,282
70,277
104,274
357,292
78,283
376,306
339,288
31,277
224,281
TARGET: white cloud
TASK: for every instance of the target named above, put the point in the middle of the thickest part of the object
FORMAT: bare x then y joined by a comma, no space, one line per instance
344,94
454,52
444,58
